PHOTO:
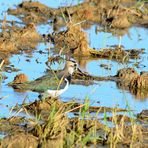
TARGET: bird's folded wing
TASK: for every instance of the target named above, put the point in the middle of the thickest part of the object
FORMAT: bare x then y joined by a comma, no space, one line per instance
42,84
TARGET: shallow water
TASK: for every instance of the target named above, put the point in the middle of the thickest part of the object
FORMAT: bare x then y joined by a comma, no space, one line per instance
101,93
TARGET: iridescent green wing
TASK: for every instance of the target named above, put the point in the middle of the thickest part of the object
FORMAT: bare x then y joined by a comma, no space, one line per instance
45,83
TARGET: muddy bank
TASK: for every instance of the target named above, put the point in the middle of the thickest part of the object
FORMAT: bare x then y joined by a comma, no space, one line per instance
113,14
43,107
57,129
136,83
50,125
104,138
14,38
75,41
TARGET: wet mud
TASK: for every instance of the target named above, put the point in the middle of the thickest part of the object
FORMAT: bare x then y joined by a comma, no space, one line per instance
50,124
114,14
75,41
24,132
14,38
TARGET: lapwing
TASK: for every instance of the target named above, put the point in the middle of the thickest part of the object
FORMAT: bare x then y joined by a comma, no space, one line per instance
52,84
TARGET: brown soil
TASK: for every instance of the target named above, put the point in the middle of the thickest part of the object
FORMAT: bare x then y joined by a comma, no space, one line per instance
32,12
143,115
139,85
52,125
11,125
4,56
53,130
73,39
114,13
20,78
129,79
126,74
15,38
140,82
119,118
20,140
137,134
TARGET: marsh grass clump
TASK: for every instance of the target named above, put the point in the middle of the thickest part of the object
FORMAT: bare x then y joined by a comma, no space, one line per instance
58,130
1,64
52,127
125,133
84,130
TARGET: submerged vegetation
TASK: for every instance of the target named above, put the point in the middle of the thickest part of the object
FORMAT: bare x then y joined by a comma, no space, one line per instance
51,122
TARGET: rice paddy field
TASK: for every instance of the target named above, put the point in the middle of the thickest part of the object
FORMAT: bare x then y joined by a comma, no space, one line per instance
106,103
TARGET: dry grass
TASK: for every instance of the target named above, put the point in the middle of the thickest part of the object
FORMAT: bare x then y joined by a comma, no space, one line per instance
1,64
124,133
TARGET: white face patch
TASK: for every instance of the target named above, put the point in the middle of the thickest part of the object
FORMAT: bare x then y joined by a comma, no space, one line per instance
72,66
71,70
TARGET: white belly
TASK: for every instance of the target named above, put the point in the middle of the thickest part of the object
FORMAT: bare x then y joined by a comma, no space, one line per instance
56,93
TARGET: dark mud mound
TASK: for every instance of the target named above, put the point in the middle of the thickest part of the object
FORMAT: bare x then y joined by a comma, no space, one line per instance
137,84
140,82
84,78
126,74
72,40
32,12
117,54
